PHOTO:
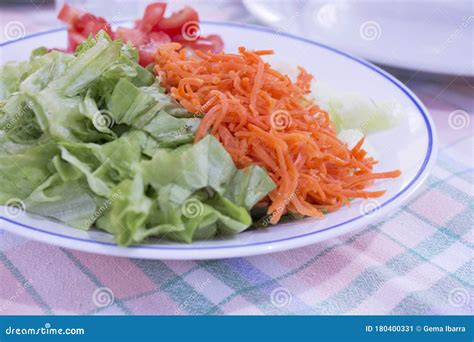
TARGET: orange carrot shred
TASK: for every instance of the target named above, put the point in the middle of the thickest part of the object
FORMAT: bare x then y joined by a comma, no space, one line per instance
262,117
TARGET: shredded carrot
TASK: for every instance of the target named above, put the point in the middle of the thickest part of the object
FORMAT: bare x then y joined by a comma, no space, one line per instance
262,117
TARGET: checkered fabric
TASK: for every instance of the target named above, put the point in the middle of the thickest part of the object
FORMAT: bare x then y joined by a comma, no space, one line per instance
416,261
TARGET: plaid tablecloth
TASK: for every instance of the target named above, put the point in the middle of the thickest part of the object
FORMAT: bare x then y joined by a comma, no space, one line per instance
418,261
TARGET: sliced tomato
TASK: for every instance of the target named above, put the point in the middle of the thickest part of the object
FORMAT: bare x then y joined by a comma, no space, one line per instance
174,24
69,14
217,42
211,43
159,37
147,51
147,35
132,35
74,39
83,26
153,15
89,23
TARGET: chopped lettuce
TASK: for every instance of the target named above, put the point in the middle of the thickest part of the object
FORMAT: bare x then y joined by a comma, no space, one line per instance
22,173
354,111
180,194
248,186
11,74
129,211
89,65
68,201
91,140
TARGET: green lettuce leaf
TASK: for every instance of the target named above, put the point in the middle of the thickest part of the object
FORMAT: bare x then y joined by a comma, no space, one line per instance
22,173
89,66
147,110
104,166
354,111
48,68
18,121
248,186
62,119
129,211
68,201
11,74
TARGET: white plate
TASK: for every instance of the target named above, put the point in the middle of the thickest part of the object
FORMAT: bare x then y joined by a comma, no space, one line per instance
430,36
411,147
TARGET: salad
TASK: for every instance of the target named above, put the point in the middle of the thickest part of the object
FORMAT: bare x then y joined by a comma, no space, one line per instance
178,142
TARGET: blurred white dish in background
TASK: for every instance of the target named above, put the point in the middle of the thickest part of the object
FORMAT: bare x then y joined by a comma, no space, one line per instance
430,36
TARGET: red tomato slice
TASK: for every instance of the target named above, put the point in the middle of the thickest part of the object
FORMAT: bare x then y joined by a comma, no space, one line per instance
147,51
69,14
211,43
159,37
217,42
74,39
174,24
148,34
132,35
153,15
89,23
84,25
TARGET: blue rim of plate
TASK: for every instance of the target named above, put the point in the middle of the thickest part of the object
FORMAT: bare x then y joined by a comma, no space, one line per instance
386,75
